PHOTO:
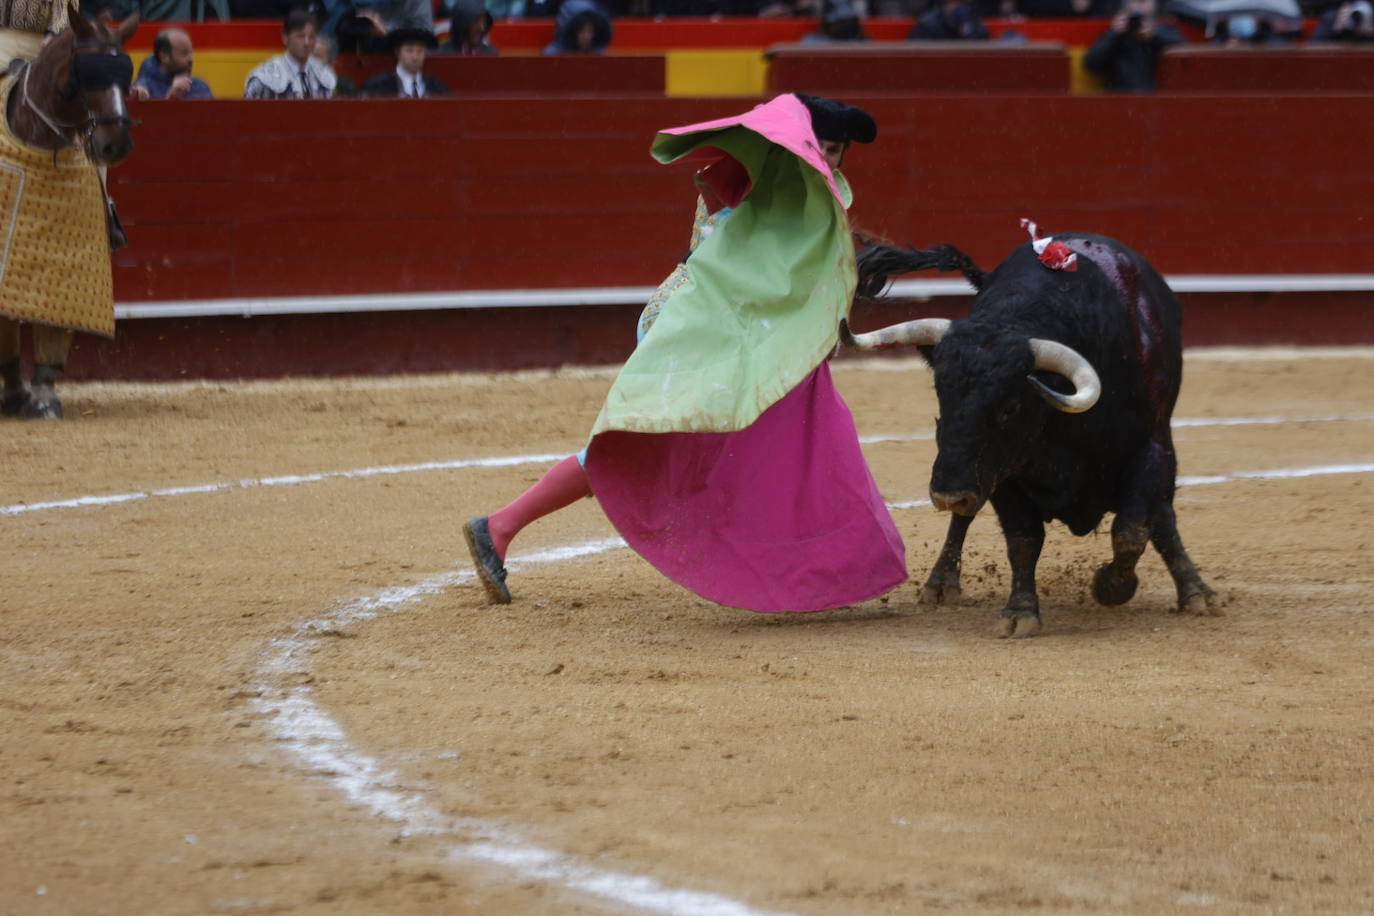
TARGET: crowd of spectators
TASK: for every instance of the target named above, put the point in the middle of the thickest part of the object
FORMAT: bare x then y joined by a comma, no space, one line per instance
373,19
1125,55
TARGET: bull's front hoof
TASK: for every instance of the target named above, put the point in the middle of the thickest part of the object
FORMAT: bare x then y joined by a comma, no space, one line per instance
936,593
1017,627
1111,587
1204,604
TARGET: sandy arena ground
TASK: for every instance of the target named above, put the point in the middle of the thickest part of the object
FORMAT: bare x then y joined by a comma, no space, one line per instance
285,695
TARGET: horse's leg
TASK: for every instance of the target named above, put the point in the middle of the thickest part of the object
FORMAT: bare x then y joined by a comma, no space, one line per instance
16,394
50,348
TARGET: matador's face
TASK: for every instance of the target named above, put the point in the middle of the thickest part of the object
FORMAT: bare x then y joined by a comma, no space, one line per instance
833,151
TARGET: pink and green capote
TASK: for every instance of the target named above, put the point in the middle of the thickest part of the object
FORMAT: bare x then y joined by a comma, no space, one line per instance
723,454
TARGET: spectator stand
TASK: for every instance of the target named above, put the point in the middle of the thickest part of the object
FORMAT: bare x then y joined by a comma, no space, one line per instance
698,57
537,229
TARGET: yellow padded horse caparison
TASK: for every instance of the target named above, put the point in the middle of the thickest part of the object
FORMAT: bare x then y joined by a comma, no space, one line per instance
54,247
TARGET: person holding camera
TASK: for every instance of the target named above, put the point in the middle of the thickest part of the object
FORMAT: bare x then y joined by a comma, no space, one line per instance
1347,22
1127,54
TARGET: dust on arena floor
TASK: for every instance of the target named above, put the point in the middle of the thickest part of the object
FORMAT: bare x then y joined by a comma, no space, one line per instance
246,670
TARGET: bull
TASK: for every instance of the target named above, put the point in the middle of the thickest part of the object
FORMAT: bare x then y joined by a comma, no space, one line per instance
1055,396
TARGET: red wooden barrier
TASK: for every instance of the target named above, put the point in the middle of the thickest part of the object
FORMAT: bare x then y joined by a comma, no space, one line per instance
232,198
1268,69
923,66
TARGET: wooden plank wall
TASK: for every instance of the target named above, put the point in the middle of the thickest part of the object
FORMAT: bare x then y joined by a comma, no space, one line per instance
1315,68
232,198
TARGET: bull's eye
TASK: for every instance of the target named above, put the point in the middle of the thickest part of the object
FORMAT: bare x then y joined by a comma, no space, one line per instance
1008,412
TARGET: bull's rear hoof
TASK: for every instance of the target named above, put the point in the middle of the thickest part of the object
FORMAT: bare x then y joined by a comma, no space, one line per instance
1017,627
1111,587
1203,604
940,594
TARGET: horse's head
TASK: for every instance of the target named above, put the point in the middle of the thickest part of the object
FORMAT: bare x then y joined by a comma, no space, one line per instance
78,83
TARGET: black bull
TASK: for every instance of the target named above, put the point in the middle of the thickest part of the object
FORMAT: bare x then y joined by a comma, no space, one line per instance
1055,396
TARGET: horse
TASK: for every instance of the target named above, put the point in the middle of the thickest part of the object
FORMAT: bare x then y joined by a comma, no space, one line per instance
65,105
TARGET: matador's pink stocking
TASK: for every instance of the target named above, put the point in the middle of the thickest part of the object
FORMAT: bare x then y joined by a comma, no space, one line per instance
564,484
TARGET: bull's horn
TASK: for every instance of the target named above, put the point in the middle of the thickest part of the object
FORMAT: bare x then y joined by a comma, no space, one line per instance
924,332
1055,357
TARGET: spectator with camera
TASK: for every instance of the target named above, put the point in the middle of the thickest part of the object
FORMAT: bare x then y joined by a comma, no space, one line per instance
1351,21
1127,55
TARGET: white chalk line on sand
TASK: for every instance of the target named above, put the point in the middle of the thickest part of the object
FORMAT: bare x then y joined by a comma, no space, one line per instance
283,481
1319,470
321,747
515,460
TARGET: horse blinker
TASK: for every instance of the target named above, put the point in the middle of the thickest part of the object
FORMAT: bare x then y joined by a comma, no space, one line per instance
101,70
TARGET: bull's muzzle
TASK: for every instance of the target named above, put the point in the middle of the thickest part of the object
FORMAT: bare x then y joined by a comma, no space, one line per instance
960,502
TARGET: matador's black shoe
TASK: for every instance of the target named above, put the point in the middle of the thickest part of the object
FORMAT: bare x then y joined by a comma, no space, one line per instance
489,567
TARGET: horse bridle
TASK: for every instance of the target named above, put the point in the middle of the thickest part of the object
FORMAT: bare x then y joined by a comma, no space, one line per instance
115,73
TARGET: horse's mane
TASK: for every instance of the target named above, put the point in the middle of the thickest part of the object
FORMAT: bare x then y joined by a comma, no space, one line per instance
54,59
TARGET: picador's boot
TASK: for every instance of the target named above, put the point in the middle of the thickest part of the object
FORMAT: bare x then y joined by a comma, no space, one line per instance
16,394
114,227
44,403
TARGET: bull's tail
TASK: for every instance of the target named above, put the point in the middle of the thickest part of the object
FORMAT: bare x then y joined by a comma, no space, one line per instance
879,263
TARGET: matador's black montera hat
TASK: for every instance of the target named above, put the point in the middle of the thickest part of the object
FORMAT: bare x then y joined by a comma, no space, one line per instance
838,122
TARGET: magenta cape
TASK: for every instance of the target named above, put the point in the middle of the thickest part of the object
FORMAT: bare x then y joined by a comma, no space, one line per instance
781,516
